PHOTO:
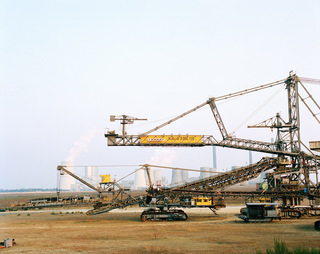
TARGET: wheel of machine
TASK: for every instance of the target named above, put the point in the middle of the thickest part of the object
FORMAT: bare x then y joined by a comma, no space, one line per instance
317,225
315,212
295,214
143,217
182,215
290,214
243,211
148,215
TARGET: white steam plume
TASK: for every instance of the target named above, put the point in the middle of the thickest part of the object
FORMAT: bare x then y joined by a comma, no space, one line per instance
163,157
81,145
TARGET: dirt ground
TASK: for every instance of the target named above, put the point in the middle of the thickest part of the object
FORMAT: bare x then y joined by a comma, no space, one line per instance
121,231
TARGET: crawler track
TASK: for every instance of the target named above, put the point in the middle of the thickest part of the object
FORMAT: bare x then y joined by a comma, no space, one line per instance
153,214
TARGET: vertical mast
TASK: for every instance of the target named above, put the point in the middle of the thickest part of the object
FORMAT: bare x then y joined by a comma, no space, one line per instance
293,110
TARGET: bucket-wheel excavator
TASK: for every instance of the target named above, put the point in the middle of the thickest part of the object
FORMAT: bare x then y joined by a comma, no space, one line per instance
287,175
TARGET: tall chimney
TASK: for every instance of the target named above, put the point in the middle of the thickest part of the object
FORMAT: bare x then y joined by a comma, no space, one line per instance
214,151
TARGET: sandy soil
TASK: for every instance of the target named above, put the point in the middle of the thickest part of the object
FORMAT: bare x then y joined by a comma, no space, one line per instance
121,231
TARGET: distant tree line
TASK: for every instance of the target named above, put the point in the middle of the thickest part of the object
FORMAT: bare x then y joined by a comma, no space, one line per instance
29,190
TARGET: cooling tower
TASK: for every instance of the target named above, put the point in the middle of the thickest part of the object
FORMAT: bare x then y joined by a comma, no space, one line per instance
140,180
214,172
95,175
66,180
176,177
204,174
88,172
92,175
157,176
184,176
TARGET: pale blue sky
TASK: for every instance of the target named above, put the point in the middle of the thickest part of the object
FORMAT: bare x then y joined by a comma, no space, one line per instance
67,65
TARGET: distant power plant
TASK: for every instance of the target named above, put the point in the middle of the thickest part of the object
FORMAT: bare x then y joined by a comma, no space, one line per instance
207,172
176,177
185,176
179,177
140,180
157,174
92,174
66,180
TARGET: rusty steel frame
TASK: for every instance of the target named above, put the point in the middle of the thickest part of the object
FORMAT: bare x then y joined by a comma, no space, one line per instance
288,143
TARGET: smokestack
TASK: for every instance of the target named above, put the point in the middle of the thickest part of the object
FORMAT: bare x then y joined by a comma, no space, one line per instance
214,153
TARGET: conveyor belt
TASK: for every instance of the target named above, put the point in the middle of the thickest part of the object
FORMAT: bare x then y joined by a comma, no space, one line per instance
208,184
229,178
103,208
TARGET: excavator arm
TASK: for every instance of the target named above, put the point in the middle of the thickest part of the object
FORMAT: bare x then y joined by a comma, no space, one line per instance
287,143
146,139
63,171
